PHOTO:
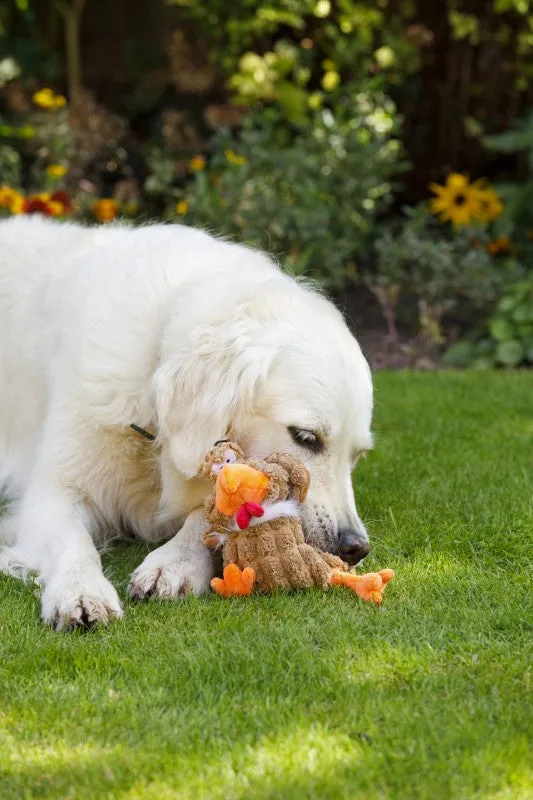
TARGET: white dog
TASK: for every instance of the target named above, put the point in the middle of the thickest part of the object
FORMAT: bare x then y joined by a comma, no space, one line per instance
190,338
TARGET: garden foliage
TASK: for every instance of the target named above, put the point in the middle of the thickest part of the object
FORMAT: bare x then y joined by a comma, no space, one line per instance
302,127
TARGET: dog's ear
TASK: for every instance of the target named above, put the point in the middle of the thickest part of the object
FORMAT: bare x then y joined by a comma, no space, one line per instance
206,389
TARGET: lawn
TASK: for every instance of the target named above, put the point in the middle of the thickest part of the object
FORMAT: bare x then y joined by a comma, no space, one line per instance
315,695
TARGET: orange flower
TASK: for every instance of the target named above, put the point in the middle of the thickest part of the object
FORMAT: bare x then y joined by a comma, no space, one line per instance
11,199
57,204
182,207
61,198
105,210
39,204
499,245
55,209
34,205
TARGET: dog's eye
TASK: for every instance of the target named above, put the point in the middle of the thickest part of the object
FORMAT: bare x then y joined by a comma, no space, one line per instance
308,439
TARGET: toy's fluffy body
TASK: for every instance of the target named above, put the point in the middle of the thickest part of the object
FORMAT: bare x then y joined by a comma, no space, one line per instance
277,551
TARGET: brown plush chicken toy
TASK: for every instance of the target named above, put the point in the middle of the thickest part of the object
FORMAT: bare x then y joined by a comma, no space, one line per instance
253,514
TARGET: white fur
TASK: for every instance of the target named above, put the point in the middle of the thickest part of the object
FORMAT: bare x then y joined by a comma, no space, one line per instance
179,332
284,508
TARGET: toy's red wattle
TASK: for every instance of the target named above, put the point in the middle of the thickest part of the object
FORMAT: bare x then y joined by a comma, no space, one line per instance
246,512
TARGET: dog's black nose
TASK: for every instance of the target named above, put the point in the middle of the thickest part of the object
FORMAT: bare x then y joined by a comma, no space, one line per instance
353,547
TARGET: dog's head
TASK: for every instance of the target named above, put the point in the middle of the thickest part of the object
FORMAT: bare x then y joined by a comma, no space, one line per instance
274,369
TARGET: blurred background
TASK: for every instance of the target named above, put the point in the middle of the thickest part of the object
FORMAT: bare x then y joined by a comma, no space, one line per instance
382,147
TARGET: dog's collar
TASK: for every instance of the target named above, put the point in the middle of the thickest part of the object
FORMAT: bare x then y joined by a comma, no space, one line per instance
152,437
146,434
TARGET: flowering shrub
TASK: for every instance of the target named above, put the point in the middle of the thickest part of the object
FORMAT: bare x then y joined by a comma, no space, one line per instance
295,54
45,140
450,275
311,199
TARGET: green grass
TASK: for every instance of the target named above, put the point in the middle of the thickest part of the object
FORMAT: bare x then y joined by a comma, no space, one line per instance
314,695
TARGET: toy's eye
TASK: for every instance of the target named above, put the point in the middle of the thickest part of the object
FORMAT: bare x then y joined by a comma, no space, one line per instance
229,457
216,468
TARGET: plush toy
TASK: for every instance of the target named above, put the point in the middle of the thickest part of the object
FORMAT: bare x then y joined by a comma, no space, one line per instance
253,515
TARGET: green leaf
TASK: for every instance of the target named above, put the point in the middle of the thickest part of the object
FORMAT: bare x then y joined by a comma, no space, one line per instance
280,17
522,314
508,303
510,353
510,141
501,329
460,354
485,347
464,26
483,362
293,101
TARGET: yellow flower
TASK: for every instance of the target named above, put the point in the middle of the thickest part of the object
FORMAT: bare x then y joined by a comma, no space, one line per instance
105,210
457,200
197,163
45,98
56,171
490,205
235,158
11,199
56,209
182,207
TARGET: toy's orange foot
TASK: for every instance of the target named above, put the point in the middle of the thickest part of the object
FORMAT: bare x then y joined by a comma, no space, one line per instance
236,582
386,575
368,587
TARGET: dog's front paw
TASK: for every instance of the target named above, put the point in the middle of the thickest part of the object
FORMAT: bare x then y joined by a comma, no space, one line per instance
158,576
68,602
